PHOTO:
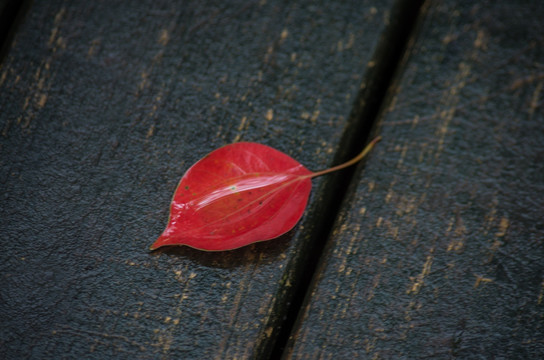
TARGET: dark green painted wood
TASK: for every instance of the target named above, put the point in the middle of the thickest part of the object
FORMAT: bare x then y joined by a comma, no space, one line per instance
104,105
439,250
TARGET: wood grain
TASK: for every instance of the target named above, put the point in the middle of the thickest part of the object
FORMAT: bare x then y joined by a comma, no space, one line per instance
438,252
104,107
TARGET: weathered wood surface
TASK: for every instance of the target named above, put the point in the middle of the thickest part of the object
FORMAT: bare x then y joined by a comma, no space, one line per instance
439,252
104,105
10,13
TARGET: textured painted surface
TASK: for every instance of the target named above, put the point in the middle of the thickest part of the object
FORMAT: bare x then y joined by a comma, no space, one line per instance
104,105
439,252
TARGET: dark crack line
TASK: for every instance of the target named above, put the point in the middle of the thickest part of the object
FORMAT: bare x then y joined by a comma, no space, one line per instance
387,61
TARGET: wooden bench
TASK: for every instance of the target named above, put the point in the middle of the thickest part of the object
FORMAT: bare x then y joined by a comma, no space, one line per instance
430,248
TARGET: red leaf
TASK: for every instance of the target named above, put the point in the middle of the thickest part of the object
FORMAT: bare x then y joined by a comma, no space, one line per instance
240,194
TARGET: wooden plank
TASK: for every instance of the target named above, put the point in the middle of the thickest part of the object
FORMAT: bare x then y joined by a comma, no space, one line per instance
439,251
104,106
11,11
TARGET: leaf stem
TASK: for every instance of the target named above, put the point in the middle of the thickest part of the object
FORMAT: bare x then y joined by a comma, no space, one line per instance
355,160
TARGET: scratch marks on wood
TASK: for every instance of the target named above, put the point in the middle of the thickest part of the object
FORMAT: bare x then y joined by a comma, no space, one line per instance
233,322
144,82
164,37
269,116
451,100
55,38
100,338
242,127
342,45
93,49
503,227
417,281
165,335
270,56
524,81
351,249
481,280
456,233
43,78
498,238
284,34
535,103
